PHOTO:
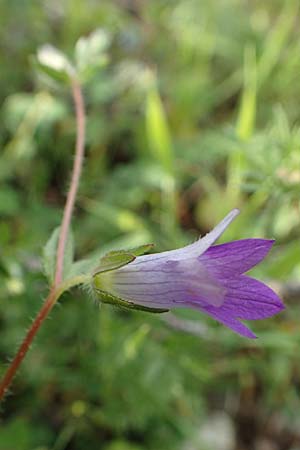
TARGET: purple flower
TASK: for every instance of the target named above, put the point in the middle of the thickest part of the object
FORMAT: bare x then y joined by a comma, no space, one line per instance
199,276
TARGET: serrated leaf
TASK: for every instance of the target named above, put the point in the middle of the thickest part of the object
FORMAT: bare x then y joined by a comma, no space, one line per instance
50,253
114,260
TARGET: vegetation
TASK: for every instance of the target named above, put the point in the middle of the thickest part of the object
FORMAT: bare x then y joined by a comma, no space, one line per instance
191,110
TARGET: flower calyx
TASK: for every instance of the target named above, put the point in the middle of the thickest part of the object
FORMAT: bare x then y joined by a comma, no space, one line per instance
102,283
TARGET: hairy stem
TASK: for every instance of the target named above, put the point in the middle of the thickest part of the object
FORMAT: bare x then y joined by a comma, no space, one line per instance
42,314
58,287
79,153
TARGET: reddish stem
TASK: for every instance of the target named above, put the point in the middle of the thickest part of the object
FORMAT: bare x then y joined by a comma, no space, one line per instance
69,206
79,153
11,371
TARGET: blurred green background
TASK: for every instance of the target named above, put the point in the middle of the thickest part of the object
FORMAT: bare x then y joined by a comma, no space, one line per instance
193,110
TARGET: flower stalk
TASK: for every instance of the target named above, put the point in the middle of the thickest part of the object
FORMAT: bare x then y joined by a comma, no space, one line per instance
71,197
58,286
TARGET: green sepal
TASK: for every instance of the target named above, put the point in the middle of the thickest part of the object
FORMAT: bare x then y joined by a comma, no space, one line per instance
105,297
114,260
141,249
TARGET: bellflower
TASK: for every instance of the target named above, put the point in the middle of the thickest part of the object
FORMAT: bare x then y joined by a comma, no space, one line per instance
200,276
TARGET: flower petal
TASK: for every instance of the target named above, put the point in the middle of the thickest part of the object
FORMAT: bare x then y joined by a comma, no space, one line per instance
233,324
246,298
250,299
166,283
204,243
235,257
195,249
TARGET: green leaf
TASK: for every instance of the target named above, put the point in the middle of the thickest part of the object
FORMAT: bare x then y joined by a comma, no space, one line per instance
54,64
276,41
114,260
50,252
83,266
54,75
247,111
90,53
158,131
